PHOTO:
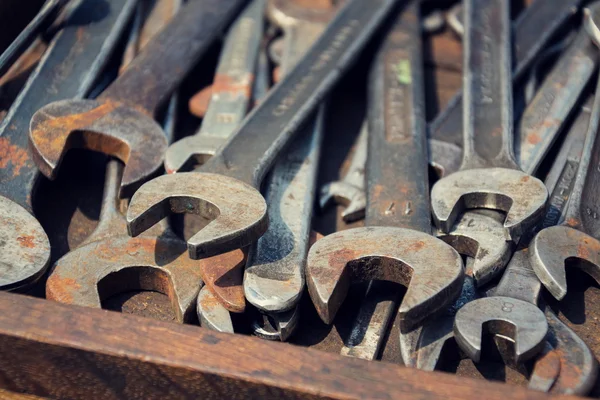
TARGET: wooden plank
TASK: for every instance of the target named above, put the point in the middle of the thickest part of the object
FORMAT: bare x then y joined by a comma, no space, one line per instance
55,350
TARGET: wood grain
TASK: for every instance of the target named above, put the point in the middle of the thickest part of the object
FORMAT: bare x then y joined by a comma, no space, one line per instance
54,350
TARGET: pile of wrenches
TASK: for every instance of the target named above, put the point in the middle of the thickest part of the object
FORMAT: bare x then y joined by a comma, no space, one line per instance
477,245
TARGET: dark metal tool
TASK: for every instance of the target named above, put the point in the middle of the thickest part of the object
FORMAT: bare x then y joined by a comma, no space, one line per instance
532,31
397,245
489,176
274,276
574,243
91,272
226,190
42,21
81,49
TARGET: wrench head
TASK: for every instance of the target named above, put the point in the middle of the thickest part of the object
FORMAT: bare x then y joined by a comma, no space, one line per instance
100,269
518,320
237,210
480,237
352,197
25,247
290,12
101,125
554,246
211,313
190,150
277,326
522,196
404,256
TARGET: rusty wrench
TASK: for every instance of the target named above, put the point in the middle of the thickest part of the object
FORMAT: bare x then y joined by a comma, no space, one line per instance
157,263
227,192
26,250
396,245
489,176
578,233
274,276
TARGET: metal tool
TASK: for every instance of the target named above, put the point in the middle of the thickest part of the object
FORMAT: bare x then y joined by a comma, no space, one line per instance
534,27
231,94
110,261
576,362
274,276
40,22
454,19
398,192
226,191
489,176
578,232
26,249
350,191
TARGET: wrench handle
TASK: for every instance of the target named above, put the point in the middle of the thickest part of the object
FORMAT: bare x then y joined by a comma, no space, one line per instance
397,162
249,154
488,107
157,71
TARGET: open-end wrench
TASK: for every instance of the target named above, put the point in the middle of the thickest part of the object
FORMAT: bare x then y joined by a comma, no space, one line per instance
534,27
91,272
574,242
40,22
489,176
397,245
350,191
577,368
274,276
67,69
231,92
225,189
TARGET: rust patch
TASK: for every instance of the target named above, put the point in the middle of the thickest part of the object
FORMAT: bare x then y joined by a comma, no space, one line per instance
572,222
199,102
416,246
26,241
376,192
525,179
534,138
61,289
223,275
12,154
342,257
237,87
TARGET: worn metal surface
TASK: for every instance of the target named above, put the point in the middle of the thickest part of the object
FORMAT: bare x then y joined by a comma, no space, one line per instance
247,156
489,176
67,69
399,255
533,29
274,277
230,92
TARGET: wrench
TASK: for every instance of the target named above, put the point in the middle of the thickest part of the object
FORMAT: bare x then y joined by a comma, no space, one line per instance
489,176
578,231
534,27
230,95
274,277
225,189
577,365
398,189
91,272
350,191
40,22
68,68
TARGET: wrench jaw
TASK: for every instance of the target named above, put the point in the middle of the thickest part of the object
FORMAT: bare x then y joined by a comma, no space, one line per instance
552,247
482,238
522,196
276,326
398,255
195,149
348,195
211,313
518,320
238,211
113,265
274,296
105,126
25,247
